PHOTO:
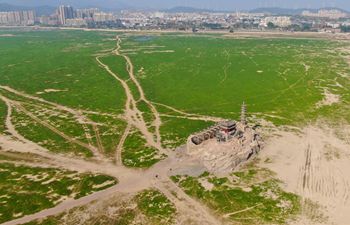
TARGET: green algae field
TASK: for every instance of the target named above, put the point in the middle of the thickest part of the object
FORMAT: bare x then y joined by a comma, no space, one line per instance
108,101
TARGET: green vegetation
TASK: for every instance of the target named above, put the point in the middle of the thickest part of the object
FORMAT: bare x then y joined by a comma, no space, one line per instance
26,190
175,131
156,206
136,153
148,207
255,198
33,61
65,121
281,80
3,112
146,112
117,64
110,131
34,131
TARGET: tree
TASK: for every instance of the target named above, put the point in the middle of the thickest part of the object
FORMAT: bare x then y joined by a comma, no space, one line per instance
345,29
270,25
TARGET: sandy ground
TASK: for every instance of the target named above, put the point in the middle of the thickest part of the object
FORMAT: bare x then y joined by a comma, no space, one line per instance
314,164
329,99
238,34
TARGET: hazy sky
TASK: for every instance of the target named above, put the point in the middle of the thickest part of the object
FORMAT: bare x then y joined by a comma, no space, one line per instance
208,4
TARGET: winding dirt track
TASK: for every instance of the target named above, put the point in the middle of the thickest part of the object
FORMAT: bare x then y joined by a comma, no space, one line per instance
130,68
132,115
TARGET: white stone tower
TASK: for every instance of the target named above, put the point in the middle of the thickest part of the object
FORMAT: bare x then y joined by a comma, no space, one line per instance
243,114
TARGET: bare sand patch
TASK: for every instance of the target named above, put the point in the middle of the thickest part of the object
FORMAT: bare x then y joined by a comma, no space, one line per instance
313,164
7,35
206,184
329,99
50,91
165,51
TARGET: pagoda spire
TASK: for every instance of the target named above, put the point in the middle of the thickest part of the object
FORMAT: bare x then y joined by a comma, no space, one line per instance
243,114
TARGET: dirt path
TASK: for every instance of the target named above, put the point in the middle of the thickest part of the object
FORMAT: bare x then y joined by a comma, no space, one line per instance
98,138
240,211
186,205
132,115
190,116
130,68
130,181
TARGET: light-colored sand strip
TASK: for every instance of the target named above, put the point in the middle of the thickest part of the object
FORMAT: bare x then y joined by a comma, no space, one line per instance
98,138
119,150
207,119
240,211
190,115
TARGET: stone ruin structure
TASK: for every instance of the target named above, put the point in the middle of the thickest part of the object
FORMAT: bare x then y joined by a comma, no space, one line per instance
224,146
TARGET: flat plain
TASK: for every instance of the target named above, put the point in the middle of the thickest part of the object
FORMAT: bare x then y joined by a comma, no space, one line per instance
123,104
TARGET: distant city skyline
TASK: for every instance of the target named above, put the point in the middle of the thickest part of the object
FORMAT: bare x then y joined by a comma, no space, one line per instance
205,4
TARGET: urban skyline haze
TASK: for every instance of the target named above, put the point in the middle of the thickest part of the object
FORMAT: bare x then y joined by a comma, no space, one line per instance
205,4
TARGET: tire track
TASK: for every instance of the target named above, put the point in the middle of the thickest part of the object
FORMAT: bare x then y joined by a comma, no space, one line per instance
118,156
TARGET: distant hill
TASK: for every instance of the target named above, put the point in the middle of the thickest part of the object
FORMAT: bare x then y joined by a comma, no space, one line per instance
286,11
277,11
40,10
4,7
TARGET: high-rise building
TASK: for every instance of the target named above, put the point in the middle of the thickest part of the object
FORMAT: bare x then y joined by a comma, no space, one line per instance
17,18
64,13
324,13
86,13
103,17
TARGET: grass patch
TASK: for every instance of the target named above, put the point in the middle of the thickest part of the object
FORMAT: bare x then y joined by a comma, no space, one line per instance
26,190
136,153
175,131
33,61
156,206
45,137
110,130
259,203
213,76
3,113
